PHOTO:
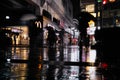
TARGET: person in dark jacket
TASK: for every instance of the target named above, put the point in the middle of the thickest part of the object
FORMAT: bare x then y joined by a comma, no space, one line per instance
52,38
5,41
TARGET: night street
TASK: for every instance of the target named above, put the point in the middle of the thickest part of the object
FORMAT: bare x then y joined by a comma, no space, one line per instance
49,64
59,40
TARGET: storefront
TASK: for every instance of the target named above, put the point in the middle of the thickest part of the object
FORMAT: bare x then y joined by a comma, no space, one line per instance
18,34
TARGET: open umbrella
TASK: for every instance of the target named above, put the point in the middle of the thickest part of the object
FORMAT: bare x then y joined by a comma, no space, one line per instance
86,16
27,17
83,19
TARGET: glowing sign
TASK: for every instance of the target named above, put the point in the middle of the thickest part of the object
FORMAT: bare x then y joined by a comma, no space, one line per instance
91,30
38,24
90,8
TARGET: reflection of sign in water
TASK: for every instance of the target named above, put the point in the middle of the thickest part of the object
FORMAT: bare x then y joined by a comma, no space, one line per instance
74,71
38,24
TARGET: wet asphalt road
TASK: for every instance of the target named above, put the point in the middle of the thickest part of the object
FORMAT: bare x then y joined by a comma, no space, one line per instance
23,63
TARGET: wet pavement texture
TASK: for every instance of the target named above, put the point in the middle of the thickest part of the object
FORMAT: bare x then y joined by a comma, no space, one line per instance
60,63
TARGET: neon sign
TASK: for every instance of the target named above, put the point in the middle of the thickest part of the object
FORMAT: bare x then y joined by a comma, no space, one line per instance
38,24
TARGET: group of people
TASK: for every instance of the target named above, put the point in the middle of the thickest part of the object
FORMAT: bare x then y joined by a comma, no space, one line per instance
53,39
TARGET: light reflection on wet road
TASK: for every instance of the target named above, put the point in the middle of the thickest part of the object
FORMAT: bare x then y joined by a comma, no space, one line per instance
20,53
48,64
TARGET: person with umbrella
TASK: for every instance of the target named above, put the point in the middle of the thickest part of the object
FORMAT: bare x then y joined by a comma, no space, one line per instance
84,18
52,38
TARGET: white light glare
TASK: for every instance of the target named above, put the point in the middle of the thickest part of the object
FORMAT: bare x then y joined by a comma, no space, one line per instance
7,17
8,60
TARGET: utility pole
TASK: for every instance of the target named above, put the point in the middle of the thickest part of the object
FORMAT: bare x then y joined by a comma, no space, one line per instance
99,11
